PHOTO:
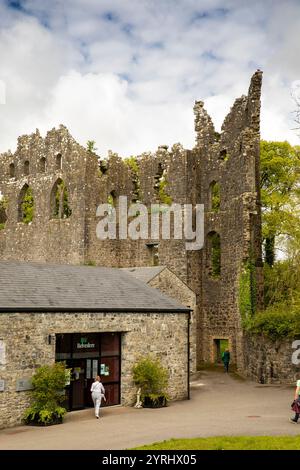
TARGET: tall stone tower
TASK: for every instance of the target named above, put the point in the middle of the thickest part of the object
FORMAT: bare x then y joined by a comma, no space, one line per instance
229,187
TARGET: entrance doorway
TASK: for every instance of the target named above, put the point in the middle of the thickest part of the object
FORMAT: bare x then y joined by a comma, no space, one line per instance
87,355
219,347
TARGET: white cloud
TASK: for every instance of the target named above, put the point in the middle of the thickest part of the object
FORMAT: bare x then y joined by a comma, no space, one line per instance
98,107
126,74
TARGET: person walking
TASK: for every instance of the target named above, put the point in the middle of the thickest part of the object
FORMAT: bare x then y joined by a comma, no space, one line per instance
296,403
98,392
226,359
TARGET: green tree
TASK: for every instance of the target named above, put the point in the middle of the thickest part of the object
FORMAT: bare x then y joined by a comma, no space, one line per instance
280,191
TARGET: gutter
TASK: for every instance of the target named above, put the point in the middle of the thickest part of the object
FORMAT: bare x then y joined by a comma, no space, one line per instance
91,310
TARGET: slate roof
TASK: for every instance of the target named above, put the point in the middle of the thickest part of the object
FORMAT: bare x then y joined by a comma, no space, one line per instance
144,274
49,287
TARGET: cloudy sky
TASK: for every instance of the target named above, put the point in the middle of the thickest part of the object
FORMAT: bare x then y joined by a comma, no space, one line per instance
126,73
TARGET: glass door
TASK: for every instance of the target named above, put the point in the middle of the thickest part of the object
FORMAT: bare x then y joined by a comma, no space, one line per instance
78,384
91,371
89,355
110,367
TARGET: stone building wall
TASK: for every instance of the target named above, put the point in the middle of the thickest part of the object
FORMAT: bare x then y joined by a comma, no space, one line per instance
270,362
26,338
171,285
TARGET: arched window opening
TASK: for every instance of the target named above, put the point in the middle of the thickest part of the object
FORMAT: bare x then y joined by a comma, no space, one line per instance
43,165
154,253
112,198
223,155
215,197
26,168
25,205
12,171
58,161
214,255
158,177
161,184
59,201
3,208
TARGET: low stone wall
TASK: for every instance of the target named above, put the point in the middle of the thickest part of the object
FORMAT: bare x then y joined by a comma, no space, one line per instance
268,361
24,346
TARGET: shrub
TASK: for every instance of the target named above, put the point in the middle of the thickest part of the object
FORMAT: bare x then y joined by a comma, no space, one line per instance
276,322
152,378
47,395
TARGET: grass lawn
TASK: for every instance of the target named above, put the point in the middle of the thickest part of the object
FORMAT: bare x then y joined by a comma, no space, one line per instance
229,443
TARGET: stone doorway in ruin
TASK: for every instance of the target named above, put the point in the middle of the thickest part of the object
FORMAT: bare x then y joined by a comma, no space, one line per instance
220,344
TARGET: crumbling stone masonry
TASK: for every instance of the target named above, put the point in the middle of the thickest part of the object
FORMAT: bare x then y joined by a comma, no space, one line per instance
68,183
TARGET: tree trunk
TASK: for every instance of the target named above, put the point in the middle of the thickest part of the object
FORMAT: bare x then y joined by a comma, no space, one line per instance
270,250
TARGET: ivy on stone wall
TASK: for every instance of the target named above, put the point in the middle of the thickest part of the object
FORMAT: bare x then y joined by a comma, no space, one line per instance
215,197
247,291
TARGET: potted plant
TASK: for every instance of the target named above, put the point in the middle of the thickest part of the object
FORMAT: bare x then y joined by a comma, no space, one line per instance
152,378
47,396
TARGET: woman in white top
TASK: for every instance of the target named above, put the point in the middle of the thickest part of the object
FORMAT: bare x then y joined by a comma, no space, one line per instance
98,392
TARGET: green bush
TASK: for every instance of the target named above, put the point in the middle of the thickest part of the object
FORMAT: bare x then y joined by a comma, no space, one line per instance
280,321
47,395
152,378
281,317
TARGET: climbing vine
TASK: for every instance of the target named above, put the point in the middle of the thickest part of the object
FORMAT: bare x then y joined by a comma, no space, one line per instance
247,291
215,197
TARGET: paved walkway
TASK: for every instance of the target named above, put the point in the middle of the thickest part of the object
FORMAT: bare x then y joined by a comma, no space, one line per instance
220,405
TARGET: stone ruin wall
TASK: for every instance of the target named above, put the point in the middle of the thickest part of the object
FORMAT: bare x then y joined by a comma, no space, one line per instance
188,174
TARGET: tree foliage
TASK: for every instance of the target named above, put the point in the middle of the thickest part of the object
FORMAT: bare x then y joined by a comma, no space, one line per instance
280,195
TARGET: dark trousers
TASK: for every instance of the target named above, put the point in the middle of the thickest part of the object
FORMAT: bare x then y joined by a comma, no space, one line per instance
296,416
226,366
